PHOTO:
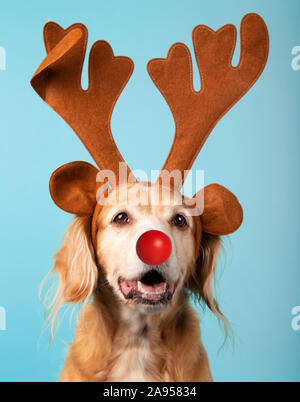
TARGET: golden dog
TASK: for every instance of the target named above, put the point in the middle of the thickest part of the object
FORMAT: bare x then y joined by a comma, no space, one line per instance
146,336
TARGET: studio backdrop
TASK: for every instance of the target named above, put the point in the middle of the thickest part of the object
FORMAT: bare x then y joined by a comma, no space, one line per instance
254,150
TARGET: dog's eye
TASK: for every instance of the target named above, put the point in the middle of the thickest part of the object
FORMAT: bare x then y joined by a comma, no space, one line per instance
179,221
122,218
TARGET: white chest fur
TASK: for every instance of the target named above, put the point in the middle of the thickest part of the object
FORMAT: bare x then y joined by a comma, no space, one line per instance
132,362
134,352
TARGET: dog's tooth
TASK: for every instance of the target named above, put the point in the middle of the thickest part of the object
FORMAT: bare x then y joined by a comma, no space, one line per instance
139,286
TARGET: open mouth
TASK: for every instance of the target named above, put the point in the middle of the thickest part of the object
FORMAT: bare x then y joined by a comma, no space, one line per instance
151,288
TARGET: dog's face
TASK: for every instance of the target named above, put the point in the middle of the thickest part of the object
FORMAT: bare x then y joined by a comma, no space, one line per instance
129,212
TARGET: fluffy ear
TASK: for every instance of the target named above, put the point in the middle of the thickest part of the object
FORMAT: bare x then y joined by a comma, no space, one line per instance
222,212
75,265
200,282
73,188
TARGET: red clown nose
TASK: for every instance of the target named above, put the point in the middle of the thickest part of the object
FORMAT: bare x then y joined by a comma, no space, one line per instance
154,247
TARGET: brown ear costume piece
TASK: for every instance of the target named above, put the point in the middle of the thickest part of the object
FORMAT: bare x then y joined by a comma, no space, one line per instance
58,82
222,212
222,85
73,188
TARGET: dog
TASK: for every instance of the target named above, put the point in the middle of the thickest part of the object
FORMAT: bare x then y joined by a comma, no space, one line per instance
139,324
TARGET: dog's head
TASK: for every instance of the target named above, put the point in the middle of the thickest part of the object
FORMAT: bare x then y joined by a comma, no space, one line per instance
146,248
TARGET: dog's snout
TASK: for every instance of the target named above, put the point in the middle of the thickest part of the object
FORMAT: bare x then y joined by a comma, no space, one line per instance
154,247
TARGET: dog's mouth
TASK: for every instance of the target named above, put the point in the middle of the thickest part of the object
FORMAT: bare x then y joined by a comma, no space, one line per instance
151,288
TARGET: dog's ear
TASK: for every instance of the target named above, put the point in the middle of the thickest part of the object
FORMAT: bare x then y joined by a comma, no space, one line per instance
222,213
200,281
75,264
73,188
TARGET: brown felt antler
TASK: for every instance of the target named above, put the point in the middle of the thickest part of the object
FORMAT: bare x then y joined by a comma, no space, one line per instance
88,112
222,85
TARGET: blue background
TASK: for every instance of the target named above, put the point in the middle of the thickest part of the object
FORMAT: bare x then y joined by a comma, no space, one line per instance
254,151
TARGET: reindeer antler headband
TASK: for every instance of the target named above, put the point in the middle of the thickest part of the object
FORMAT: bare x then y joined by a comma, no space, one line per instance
58,81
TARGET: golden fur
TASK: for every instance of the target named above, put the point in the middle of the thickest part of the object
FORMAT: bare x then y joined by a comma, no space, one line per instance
115,340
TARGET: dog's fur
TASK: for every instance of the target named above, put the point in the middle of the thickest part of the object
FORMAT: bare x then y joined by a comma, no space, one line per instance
118,339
